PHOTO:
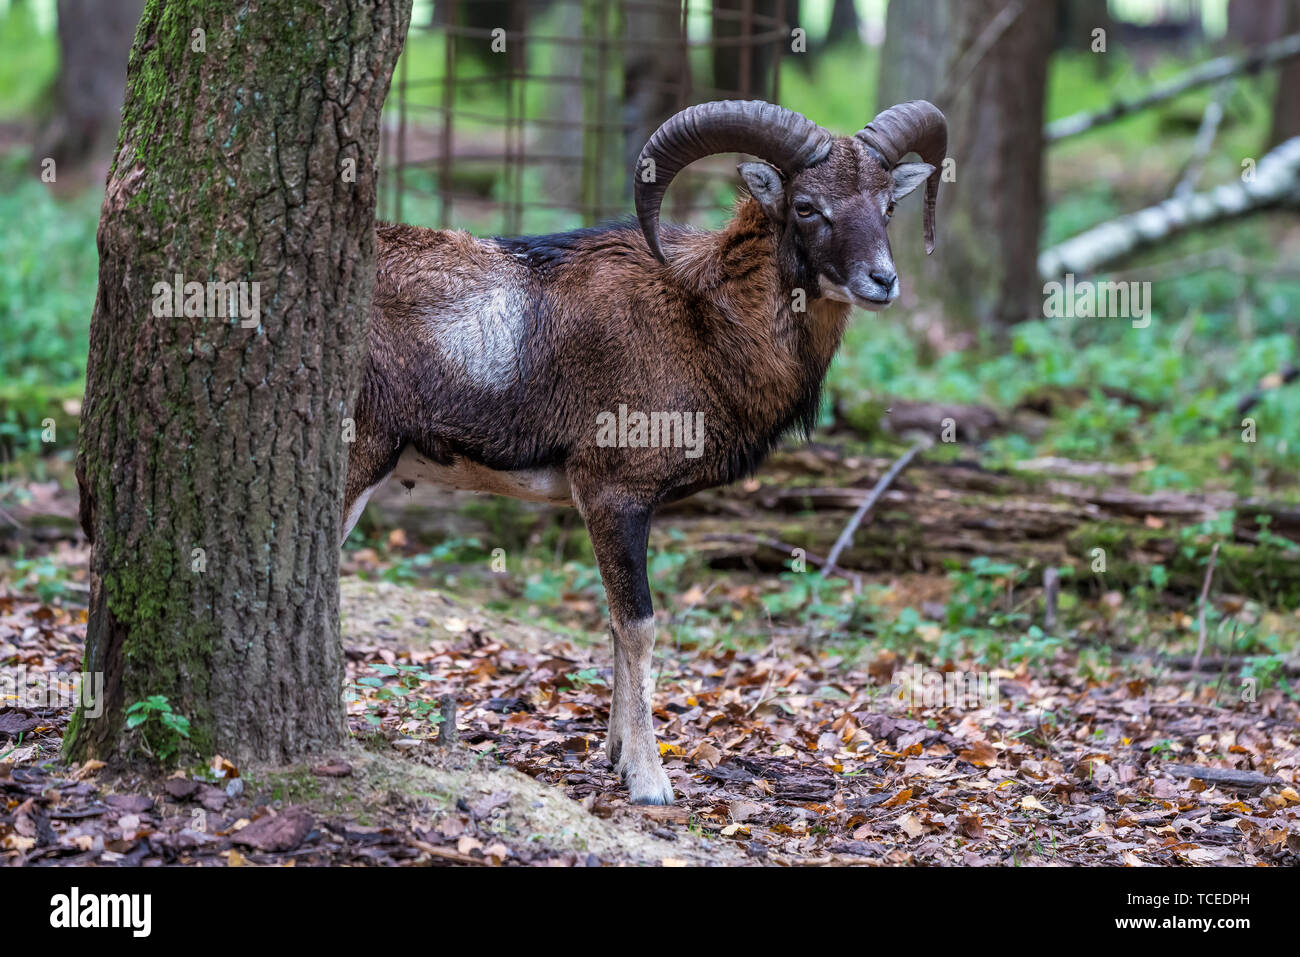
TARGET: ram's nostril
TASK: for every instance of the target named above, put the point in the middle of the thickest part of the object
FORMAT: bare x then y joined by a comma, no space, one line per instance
885,279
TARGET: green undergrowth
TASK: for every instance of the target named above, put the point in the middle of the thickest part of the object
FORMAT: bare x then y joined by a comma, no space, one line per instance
990,612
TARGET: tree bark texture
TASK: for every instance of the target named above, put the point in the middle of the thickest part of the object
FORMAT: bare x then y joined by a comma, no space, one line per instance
1286,102
212,452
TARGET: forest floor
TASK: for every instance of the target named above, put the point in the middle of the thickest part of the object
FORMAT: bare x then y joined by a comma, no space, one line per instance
791,748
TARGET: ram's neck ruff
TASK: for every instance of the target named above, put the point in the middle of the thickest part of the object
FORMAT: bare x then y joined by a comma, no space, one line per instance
769,330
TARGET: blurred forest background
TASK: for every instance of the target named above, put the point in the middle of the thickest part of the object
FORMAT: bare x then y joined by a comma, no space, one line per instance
1094,499
1123,438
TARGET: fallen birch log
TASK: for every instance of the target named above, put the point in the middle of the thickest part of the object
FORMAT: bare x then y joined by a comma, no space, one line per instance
1276,179
1203,74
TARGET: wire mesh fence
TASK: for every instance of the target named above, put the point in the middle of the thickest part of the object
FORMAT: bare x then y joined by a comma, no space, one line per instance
522,116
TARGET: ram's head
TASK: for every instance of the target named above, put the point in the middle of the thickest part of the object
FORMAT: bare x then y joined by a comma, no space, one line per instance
828,197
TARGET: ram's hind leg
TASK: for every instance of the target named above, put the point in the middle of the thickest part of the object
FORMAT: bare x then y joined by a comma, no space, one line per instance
620,532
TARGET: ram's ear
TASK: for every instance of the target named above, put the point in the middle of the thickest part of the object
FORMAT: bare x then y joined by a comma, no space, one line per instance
764,182
909,176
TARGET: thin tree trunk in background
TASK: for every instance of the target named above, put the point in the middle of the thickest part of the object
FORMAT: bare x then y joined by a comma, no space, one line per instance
992,87
212,454
844,23
94,41
654,76
729,76
1253,23
1286,102
1075,21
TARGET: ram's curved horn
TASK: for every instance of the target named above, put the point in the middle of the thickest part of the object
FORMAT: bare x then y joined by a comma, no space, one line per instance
785,139
916,127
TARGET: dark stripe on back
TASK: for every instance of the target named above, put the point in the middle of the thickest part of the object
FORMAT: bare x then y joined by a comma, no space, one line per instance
554,249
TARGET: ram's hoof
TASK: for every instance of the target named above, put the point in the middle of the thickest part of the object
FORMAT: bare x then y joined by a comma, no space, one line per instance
648,786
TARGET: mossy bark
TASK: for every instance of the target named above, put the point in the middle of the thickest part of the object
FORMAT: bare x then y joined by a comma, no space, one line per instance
211,457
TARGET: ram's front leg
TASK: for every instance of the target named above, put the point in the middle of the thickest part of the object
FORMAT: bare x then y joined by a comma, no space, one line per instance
620,531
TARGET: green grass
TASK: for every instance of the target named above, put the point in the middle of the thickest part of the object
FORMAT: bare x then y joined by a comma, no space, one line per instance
29,60
48,272
1191,366
820,92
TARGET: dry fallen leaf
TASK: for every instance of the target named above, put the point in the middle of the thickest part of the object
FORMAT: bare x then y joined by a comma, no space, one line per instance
911,825
981,754
902,797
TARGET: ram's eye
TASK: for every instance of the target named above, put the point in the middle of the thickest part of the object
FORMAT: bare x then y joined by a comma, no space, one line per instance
889,210
804,210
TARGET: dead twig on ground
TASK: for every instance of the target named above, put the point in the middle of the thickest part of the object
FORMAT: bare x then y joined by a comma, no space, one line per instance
1205,134
886,480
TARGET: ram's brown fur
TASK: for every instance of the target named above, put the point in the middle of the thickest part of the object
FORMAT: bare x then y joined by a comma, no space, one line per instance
714,331
493,361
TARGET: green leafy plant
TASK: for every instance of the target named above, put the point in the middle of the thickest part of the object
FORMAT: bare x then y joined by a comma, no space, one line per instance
587,676
400,689
162,730
979,597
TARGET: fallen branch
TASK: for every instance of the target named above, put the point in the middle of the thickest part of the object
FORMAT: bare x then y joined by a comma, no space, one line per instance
846,536
951,512
1204,74
1201,146
1276,179
447,854
772,543
1288,374
1228,777
1210,663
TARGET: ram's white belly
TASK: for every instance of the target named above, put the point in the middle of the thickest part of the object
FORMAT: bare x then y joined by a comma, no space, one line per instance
549,486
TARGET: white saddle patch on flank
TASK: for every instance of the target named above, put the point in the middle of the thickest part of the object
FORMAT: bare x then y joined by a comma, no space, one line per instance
482,335
549,486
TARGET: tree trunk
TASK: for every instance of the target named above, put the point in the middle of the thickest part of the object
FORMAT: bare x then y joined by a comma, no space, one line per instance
844,23
212,453
985,66
1253,23
94,40
654,76
1286,103
740,68
1075,22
